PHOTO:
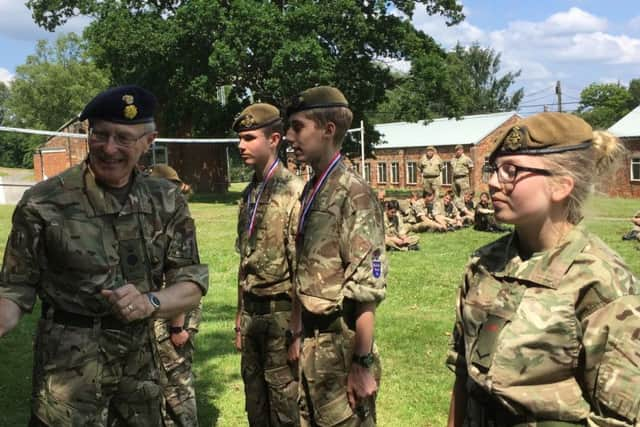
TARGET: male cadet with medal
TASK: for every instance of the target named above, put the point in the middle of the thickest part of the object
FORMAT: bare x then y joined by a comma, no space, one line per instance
267,225
95,243
341,273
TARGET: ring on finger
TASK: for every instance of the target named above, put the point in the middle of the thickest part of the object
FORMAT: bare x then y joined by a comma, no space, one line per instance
130,308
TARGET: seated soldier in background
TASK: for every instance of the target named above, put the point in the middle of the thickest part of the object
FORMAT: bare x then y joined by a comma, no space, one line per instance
484,219
395,233
167,172
466,207
174,341
428,214
450,213
634,234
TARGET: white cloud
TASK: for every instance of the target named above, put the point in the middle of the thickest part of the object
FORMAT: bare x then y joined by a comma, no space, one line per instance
5,76
16,23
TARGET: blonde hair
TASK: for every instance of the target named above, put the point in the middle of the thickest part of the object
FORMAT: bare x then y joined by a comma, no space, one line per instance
340,116
586,167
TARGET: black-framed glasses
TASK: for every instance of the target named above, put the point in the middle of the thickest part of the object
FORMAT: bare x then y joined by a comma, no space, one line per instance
101,137
507,172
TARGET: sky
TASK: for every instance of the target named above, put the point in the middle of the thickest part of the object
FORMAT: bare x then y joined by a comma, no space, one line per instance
575,41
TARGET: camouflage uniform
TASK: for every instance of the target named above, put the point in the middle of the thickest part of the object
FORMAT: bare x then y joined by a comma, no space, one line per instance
484,219
553,338
396,228
341,261
466,209
428,216
179,382
70,239
431,170
461,167
267,260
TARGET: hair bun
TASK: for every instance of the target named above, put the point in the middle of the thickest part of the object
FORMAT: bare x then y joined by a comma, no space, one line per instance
608,151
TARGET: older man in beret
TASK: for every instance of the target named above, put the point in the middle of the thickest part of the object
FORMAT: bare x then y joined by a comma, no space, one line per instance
95,244
267,224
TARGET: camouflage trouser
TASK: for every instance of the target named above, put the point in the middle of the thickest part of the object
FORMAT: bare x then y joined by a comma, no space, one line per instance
460,185
431,183
325,362
412,240
179,389
270,383
88,377
425,225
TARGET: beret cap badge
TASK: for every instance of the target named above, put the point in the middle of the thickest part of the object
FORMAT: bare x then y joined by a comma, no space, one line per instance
130,112
248,121
128,99
513,141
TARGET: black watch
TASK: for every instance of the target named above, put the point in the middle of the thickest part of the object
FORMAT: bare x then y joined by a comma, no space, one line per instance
155,302
366,361
175,329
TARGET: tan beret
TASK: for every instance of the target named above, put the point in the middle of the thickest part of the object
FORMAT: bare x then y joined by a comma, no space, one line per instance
432,148
317,97
256,116
544,133
459,147
166,172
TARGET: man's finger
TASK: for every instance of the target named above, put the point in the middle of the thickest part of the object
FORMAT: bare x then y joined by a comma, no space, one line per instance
352,399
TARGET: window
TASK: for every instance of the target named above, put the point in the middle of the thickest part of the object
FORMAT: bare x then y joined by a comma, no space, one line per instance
382,172
395,173
447,173
412,176
367,172
635,169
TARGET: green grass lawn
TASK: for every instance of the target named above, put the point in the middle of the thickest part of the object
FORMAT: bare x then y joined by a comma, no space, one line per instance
413,324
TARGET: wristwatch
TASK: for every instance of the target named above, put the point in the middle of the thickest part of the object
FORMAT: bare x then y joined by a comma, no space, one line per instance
155,302
366,360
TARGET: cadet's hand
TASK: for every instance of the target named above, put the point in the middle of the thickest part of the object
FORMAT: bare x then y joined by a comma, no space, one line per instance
238,341
293,352
360,384
180,339
10,314
128,303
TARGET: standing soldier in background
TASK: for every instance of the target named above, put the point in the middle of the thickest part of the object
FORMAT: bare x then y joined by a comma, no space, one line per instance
431,168
267,224
461,166
341,271
95,243
174,341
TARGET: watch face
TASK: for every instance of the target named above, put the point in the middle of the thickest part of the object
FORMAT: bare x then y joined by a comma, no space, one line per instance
154,300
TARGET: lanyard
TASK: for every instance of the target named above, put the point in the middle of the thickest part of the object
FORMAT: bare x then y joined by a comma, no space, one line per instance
251,213
309,198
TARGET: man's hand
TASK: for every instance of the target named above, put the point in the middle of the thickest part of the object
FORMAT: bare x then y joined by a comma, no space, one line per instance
10,314
238,341
128,303
360,384
180,339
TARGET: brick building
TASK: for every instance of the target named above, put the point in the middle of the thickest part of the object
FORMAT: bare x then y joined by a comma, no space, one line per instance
397,159
202,165
626,182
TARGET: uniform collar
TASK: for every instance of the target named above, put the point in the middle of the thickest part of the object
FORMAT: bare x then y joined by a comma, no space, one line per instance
544,268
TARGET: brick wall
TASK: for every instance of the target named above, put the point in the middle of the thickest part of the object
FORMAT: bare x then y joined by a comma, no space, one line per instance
55,162
622,185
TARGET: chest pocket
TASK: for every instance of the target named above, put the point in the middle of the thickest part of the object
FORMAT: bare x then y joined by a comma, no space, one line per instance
490,306
131,249
76,245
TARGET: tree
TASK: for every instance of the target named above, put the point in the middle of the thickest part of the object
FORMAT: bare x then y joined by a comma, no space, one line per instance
184,50
54,84
48,90
470,84
603,104
634,91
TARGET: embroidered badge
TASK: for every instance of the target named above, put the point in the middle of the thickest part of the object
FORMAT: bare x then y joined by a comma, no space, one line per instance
248,121
128,99
376,264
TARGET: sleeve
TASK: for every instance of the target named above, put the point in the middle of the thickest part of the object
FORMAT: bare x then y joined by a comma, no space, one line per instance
20,274
456,359
611,351
362,248
194,318
182,262
469,163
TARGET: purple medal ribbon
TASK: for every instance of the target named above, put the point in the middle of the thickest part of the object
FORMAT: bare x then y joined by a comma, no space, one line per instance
254,211
309,198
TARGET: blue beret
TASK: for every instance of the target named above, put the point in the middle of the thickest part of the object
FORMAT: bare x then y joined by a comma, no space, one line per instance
129,104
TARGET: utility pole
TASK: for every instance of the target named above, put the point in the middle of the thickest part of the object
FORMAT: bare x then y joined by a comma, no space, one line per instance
559,94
